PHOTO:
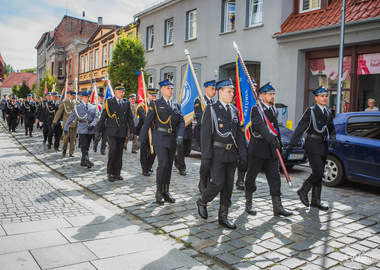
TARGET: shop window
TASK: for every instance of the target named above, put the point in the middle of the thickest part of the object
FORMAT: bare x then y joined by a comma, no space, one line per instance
324,71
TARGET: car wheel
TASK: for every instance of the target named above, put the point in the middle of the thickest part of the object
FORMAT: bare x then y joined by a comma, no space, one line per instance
334,173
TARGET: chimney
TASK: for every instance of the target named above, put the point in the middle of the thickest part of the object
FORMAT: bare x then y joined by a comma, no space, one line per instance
100,20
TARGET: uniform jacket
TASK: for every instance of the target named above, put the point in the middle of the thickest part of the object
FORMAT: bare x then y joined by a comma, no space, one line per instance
198,115
3,104
29,108
142,116
48,112
225,122
13,110
40,115
311,125
64,111
162,116
259,144
85,116
119,118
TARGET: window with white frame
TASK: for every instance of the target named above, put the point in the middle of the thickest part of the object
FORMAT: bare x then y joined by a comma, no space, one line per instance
229,16
191,24
309,5
91,61
96,64
86,62
169,76
150,81
150,38
169,24
60,69
82,64
104,60
255,12
110,49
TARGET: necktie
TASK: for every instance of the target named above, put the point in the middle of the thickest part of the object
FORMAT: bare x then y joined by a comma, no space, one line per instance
210,101
86,106
325,113
120,103
169,105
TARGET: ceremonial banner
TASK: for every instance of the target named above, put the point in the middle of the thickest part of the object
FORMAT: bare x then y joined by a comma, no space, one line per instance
64,90
189,92
245,98
140,90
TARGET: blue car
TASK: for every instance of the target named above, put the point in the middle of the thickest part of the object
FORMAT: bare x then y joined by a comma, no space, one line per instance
357,154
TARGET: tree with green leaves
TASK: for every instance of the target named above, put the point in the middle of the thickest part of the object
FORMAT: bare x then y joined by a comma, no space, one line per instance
50,80
28,70
127,57
24,90
14,90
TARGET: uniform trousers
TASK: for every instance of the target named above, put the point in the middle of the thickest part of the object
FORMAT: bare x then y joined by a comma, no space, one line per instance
180,157
29,122
115,155
133,142
45,131
12,122
57,133
317,164
222,181
3,114
272,173
70,137
165,158
103,144
146,158
85,140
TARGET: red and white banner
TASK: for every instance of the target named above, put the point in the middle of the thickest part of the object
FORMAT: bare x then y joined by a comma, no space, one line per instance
329,67
369,64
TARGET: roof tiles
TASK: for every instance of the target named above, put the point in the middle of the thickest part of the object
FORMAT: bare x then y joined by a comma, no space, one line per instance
331,15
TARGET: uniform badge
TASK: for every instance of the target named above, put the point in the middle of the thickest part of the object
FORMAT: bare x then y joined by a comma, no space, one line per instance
220,107
161,107
220,125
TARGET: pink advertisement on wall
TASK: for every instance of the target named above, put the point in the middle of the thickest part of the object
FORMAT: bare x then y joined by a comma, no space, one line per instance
369,64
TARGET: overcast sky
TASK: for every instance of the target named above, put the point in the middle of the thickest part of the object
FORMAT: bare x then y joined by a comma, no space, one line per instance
22,22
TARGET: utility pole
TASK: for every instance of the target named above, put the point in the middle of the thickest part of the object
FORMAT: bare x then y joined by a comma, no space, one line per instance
340,68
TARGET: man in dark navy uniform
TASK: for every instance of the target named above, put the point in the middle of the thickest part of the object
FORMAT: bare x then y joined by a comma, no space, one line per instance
262,152
204,171
12,112
29,109
102,132
54,128
146,157
317,122
41,116
168,132
3,104
222,143
119,118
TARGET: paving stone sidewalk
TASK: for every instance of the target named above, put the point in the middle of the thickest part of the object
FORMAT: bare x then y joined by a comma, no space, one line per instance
47,222
345,237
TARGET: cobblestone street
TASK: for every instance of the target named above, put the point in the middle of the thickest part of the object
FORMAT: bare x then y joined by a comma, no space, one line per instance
345,237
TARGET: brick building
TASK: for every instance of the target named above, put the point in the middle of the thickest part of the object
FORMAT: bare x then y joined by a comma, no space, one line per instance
58,49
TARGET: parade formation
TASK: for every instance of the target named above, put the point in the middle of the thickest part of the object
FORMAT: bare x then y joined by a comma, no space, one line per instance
157,127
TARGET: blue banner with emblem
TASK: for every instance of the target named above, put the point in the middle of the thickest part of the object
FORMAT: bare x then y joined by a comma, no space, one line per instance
189,93
245,98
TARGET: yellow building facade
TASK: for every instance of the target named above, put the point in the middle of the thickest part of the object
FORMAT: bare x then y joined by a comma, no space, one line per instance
94,60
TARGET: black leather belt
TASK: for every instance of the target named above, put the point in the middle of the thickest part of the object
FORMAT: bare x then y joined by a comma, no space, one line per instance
227,146
84,121
167,130
315,136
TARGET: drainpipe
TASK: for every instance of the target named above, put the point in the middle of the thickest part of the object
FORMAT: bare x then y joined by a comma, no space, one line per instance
340,68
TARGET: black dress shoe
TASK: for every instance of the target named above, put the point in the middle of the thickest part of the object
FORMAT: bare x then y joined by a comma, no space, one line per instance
49,146
146,173
64,153
111,178
118,177
150,170
182,173
56,149
103,153
202,208
71,155
134,152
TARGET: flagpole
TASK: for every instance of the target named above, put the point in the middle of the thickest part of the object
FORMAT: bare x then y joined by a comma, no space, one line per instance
76,88
195,77
264,117
146,109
